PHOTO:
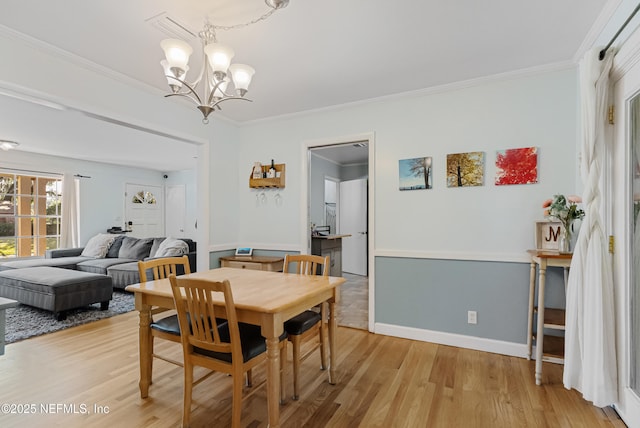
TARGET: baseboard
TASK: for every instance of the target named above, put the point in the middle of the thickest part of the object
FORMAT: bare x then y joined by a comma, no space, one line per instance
452,339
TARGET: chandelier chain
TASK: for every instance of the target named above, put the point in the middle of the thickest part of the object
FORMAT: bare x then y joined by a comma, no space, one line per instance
246,24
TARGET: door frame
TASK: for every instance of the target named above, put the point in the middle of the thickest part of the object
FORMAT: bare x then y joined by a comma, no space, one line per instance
626,85
160,193
305,235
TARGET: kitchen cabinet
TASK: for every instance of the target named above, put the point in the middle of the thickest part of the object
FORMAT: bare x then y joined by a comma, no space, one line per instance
329,245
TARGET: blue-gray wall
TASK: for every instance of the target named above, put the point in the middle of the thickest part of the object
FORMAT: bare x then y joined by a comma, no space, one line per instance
436,295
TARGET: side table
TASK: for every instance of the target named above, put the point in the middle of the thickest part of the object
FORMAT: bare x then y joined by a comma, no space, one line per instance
549,318
273,264
4,305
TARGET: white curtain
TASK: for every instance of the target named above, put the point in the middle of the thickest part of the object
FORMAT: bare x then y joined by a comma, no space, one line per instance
590,354
70,227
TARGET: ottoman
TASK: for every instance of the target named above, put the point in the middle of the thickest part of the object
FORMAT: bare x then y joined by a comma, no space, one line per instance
55,289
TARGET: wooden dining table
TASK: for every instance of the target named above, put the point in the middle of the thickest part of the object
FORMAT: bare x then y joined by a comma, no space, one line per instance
267,299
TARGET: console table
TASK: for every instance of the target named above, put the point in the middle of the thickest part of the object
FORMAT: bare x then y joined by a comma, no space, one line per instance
272,264
548,348
4,305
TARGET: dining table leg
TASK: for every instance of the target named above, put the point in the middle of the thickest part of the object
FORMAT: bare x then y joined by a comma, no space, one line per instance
333,329
145,349
273,381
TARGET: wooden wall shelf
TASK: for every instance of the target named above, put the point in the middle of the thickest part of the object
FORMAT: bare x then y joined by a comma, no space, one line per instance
257,183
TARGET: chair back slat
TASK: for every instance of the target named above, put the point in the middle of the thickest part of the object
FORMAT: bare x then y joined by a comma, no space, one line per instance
163,267
196,297
307,264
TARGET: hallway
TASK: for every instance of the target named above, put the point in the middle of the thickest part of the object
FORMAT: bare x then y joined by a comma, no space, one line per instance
353,310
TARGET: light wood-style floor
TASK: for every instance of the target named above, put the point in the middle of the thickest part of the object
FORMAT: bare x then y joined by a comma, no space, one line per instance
353,309
382,382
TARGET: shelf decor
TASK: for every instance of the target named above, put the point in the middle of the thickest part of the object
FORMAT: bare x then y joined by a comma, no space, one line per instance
547,235
276,182
565,210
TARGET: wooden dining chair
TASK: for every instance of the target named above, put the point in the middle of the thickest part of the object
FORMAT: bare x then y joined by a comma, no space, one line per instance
166,328
309,322
231,347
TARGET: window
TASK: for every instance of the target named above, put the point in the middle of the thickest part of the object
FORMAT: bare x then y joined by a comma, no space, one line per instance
30,210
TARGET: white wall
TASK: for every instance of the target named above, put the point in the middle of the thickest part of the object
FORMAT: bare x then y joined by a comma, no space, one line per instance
490,222
101,196
225,178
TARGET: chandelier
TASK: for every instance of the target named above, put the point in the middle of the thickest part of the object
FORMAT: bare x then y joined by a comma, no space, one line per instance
216,72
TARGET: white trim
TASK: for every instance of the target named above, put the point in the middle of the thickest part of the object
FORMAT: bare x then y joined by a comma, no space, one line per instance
84,63
597,28
627,57
74,59
371,230
451,339
626,74
40,98
203,205
449,87
455,255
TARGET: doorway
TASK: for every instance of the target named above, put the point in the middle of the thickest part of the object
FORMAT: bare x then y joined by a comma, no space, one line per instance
338,201
625,210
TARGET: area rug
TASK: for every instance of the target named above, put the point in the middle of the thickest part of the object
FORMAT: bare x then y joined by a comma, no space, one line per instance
26,321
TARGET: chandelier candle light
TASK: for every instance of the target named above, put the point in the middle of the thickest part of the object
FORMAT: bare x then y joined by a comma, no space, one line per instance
215,69
566,211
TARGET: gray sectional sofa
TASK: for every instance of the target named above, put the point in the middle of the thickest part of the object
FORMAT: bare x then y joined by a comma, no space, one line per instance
120,261
74,277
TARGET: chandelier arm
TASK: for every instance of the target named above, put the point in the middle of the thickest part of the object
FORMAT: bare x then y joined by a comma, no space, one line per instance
202,69
186,95
191,90
214,105
214,90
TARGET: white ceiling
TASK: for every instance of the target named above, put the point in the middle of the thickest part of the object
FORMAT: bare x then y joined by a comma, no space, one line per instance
310,55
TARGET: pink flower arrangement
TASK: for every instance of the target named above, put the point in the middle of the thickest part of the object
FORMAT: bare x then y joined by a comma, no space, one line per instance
563,209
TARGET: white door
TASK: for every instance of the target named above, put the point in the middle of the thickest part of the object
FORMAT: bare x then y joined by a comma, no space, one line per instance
175,211
144,210
352,214
626,265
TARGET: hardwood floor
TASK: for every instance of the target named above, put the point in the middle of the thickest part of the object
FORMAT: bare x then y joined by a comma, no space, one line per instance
382,382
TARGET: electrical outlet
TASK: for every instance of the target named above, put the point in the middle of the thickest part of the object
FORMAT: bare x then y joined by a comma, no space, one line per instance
472,317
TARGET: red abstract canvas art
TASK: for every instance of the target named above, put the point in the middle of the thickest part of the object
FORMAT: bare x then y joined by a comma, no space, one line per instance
517,166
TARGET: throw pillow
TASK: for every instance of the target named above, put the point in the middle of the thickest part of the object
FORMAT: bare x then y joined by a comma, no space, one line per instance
154,247
171,247
114,249
98,246
135,248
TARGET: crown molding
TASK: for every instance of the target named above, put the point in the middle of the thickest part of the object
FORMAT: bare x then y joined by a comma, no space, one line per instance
597,28
74,59
91,66
449,87
627,56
